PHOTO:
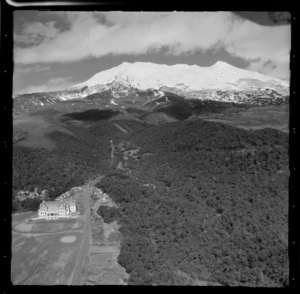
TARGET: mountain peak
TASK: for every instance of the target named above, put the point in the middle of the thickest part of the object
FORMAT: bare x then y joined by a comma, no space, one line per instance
151,65
221,63
124,63
147,75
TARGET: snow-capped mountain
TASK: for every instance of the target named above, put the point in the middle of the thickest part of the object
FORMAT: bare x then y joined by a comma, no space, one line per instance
219,82
146,75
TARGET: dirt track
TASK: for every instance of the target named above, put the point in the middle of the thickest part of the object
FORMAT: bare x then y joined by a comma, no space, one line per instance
112,155
85,242
97,262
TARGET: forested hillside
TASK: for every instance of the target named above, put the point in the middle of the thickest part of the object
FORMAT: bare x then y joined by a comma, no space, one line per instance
200,203
205,202
74,160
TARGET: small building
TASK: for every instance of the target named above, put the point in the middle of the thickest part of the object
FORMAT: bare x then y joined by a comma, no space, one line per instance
72,205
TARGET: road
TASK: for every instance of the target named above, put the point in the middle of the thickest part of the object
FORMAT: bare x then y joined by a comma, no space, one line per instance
120,128
112,155
84,250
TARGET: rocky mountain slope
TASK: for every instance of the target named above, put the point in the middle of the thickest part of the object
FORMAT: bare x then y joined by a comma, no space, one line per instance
146,75
132,81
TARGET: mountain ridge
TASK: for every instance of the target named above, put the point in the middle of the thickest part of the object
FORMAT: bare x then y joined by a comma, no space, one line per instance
130,82
146,75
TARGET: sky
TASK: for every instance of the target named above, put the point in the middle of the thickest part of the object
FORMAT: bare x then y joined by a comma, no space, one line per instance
54,50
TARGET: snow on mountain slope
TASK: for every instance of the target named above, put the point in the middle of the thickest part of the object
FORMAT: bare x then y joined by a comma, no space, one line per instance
142,82
146,75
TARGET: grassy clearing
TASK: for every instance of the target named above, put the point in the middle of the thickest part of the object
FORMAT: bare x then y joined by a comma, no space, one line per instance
30,131
276,117
44,260
41,257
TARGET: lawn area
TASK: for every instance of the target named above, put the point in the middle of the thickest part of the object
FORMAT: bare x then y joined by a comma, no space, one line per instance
276,117
44,252
44,260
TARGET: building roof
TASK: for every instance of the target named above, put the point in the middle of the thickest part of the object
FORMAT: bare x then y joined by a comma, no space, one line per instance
57,205
52,205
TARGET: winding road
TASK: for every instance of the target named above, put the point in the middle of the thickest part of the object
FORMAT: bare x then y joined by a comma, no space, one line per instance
112,155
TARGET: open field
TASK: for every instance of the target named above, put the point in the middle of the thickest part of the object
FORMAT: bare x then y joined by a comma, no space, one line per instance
276,117
55,252
19,217
30,131
57,226
44,259
45,252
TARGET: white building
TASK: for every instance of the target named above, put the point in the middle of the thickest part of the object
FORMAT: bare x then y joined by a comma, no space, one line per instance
72,205
56,209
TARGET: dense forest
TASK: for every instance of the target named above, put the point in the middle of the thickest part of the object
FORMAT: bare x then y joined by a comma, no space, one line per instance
202,201
74,160
205,202
91,115
180,108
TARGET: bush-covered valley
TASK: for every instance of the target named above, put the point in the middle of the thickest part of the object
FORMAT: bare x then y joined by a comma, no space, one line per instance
205,202
202,203
74,160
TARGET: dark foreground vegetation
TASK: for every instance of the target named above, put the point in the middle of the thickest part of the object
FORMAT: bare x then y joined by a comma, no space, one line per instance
206,202
201,202
29,204
92,115
74,160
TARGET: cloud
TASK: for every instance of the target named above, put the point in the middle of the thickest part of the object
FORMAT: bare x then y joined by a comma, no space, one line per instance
29,69
266,48
92,34
271,67
36,32
53,84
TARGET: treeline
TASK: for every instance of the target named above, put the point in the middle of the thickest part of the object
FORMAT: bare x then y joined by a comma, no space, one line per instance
109,214
73,161
92,115
29,204
206,202
108,129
